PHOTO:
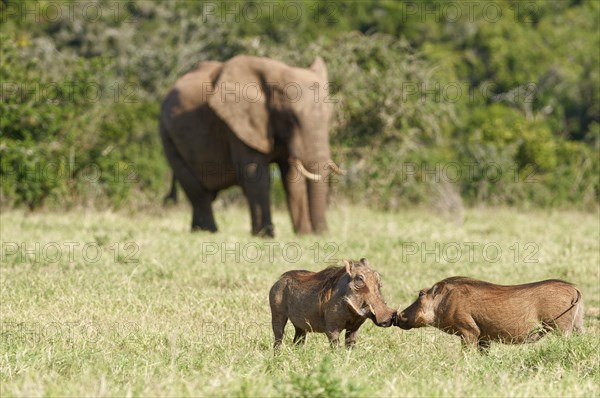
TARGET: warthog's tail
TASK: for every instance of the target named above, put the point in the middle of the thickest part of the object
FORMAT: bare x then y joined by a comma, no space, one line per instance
577,317
577,324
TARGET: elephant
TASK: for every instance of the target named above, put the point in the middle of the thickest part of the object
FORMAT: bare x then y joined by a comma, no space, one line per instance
223,124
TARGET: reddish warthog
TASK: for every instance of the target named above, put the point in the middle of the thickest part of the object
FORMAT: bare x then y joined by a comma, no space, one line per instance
480,312
329,301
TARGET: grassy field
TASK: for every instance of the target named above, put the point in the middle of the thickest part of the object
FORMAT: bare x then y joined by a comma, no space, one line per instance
107,304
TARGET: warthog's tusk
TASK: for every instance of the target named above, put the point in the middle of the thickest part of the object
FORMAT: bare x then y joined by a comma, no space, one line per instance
335,168
371,308
351,304
306,173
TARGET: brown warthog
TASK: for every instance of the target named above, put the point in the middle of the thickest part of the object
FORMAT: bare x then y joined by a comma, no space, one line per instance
480,312
328,301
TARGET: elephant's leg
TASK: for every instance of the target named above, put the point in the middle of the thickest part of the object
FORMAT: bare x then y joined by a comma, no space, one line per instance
297,199
201,199
255,180
202,214
252,174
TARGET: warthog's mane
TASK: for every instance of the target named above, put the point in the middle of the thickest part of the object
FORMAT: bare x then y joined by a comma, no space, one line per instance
332,276
326,280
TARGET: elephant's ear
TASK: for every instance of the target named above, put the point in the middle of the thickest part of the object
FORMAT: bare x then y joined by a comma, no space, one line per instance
240,100
318,66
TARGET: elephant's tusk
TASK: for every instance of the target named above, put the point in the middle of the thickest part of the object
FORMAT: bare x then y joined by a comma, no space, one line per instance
306,173
335,168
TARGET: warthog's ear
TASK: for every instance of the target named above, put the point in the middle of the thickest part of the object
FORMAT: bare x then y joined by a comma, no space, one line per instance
436,289
349,266
364,261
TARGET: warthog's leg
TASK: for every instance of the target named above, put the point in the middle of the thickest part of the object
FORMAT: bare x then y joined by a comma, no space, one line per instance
469,332
334,337
484,346
300,336
278,323
469,341
351,338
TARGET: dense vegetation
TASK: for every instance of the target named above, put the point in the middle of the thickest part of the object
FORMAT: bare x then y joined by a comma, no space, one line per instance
437,102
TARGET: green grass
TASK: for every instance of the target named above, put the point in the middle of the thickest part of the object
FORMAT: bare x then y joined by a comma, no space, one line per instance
177,324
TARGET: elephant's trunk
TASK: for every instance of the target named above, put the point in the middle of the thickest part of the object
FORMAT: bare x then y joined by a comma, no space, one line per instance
312,159
317,203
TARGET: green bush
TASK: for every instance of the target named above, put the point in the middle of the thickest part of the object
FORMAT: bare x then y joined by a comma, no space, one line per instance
80,99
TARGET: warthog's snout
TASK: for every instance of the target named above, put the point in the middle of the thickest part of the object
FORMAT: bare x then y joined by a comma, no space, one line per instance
388,322
383,321
395,318
401,321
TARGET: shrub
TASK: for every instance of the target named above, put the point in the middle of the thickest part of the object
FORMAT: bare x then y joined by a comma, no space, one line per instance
82,98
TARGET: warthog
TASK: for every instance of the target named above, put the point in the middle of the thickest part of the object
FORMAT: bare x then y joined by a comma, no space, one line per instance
328,301
480,312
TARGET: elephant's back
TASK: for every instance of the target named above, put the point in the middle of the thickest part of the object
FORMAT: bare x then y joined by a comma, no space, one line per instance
191,90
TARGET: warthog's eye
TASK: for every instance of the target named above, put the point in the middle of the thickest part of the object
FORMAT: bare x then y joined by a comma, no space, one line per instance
421,293
359,281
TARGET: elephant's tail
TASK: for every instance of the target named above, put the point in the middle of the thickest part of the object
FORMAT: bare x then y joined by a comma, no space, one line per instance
171,196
